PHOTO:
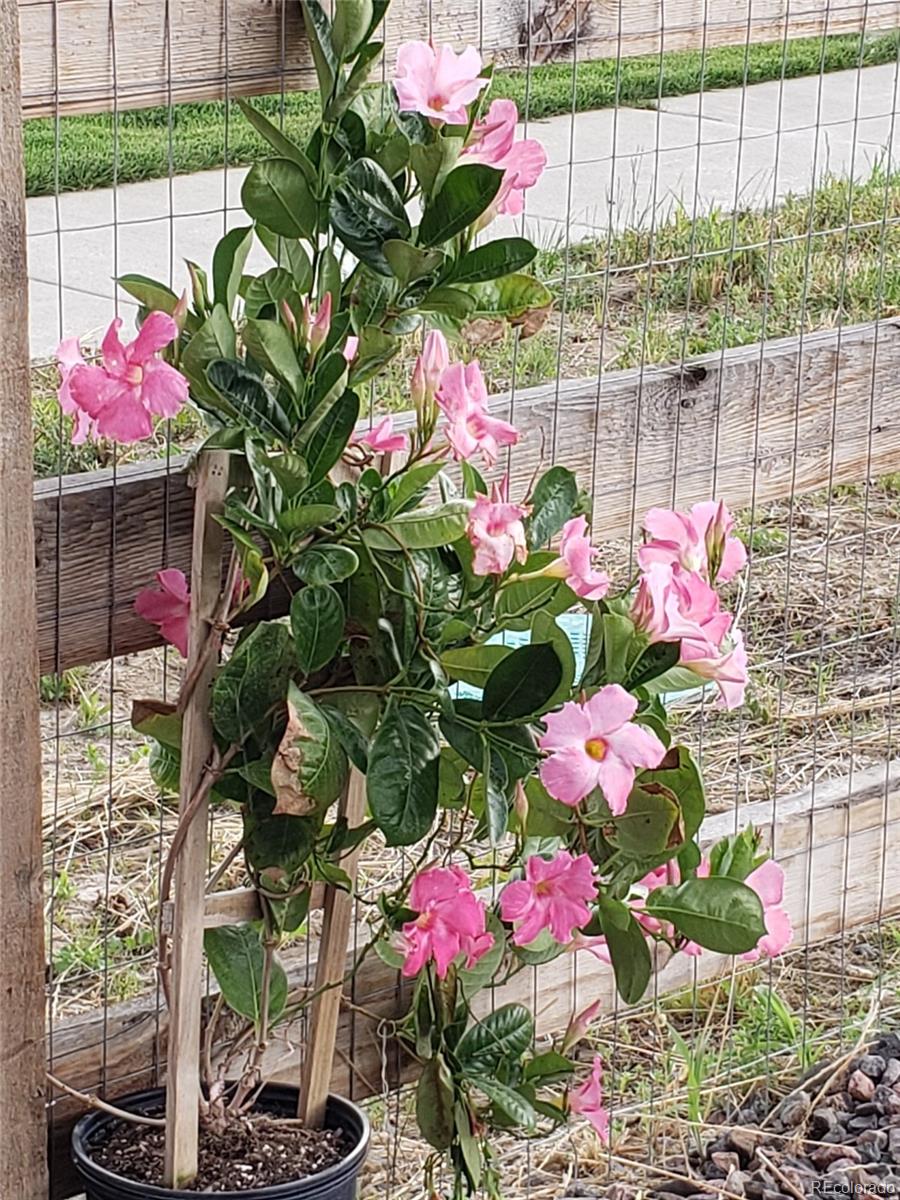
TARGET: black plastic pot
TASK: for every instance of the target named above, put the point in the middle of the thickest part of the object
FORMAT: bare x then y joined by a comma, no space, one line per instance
335,1183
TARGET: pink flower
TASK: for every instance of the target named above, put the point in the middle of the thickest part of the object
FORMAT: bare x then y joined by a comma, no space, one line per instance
596,744
575,562
351,348
381,438
579,1025
451,921
672,603
168,606
462,397
768,883
699,540
437,83
118,397
725,665
496,531
493,136
587,1100
318,325
553,895
429,367
522,162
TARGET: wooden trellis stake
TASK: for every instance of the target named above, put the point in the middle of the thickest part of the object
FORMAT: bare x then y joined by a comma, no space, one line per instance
330,967
189,880
23,1131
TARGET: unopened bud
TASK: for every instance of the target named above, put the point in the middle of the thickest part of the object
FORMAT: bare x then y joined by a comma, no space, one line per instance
321,325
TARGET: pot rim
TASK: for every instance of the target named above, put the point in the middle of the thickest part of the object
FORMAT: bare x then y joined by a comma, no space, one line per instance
348,1166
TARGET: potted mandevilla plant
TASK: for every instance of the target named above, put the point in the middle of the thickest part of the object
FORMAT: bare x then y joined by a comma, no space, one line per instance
404,560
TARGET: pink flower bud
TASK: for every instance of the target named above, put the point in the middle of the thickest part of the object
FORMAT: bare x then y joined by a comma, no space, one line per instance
289,319
321,325
579,1025
179,312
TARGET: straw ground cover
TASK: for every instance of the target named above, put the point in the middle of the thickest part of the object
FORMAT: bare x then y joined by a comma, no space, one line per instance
646,295
819,610
82,152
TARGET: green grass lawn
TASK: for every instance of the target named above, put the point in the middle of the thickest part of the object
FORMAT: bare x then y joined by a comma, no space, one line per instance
95,151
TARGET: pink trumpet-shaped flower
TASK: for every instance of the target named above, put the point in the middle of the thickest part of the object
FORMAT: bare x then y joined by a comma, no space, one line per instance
597,744
451,922
119,396
462,397
553,895
579,1026
576,562
429,367
168,606
725,665
439,84
699,540
496,531
672,603
768,883
587,1100
381,438
522,163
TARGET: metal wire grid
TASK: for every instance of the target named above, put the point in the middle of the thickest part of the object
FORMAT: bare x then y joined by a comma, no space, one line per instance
112,846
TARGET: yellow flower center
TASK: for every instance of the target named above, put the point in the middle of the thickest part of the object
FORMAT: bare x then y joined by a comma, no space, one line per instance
134,375
425,920
596,749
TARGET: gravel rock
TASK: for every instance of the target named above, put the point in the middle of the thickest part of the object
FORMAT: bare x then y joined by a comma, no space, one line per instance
728,1160
823,1121
861,1086
891,1072
794,1110
744,1141
894,1143
824,1157
872,1065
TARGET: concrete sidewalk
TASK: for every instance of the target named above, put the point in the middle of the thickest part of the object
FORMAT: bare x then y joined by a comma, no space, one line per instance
611,168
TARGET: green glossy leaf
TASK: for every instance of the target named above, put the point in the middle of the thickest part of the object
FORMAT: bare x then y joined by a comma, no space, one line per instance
545,629
514,1106
500,1038
376,349
718,913
328,442
270,344
469,1147
278,140
548,1068
149,293
679,774
411,486
409,262
433,160
473,664
648,825
252,681
268,291
301,518
158,720
236,957
553,503
520,686
352,19
402,781
449,301
354,742
214,339
318,33
229,257
627,947
249,397
494,782
366,211
518,601
618,637
317,622
326,562
501,257
289,254
655,661
511,298
280,845
547,818
276,193
422,529
466,193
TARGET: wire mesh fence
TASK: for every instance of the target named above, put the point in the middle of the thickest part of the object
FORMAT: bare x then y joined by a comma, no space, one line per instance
718,225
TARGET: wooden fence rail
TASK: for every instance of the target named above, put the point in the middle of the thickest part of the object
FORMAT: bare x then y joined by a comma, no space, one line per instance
753,424
83,56
818,833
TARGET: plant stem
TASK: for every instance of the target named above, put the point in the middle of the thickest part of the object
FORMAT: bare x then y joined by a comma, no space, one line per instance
91,1101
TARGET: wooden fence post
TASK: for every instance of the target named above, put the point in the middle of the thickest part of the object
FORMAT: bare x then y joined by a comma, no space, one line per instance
189,880
23,1133
330,967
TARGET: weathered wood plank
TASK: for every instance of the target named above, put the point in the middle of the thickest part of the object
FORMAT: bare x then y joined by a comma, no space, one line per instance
88,56
752,425
821,837
23,1167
